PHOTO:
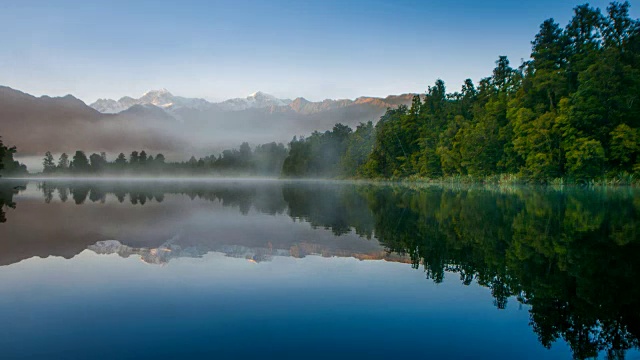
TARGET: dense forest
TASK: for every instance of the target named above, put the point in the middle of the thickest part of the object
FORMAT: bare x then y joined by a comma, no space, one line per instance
571,112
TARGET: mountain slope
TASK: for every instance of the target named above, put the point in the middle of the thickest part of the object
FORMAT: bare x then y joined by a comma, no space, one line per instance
158,121
39,124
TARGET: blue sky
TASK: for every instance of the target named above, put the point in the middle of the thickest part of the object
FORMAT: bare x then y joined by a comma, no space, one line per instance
230,48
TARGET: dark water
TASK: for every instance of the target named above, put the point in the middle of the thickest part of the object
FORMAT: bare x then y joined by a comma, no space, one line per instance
239,269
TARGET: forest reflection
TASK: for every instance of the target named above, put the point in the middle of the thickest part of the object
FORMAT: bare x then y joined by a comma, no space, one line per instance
7,191
571,255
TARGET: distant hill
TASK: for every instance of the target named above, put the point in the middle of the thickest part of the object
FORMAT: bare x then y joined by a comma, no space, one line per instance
158,121
64,124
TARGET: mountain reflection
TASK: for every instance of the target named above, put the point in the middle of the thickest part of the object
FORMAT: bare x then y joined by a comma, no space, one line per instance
571,255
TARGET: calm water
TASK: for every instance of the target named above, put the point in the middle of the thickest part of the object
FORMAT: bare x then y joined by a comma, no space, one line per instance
238,269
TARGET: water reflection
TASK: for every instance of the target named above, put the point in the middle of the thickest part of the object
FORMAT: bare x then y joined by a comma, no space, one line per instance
7,190
571,255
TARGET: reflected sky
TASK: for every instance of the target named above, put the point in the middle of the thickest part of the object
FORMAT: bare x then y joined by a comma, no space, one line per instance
284,269
112,307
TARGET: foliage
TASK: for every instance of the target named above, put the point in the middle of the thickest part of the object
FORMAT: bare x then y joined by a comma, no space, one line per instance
8,165
540,247
319,155
264,160
571,111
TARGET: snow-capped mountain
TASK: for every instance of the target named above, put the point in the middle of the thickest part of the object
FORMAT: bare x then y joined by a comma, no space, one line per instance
175,105
256,100
161,98
163,122
109,106
165,100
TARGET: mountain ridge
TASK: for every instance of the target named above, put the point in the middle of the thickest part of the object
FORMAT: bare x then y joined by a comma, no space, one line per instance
164,99
158,121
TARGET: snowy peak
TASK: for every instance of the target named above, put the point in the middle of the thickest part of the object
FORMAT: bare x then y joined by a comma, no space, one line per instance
257,100
161,98
165,100
162,91
109,106
258,94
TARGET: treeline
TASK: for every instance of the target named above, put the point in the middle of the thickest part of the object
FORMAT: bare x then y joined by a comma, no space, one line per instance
264,160
8,165
335,153
571,112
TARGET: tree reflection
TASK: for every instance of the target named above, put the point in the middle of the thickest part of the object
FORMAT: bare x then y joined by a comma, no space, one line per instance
571,256
7,190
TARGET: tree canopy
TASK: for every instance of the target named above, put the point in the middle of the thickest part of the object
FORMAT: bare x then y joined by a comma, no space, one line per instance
572,111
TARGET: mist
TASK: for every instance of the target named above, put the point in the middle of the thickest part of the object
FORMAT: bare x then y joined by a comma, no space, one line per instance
65,125
228,139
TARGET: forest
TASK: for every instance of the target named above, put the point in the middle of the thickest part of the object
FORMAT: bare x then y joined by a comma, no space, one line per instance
263,160
569,114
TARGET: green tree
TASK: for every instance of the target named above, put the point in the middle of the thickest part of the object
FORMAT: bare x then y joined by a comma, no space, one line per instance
97,163
8,165
319,155
121,161
4,151
134,158
80,163
48,163
625,147
585,159
142,158
63,162
160,159
359,146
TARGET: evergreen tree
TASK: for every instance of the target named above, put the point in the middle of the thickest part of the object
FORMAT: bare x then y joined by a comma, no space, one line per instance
63,162
134,158
8,165
3,152
80,163
121,161
142,159
97,162
48,163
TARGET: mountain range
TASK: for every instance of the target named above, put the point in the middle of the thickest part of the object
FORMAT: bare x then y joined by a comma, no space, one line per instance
258,100
159,121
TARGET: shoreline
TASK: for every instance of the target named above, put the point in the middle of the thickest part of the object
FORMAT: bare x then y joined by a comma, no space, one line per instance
487,182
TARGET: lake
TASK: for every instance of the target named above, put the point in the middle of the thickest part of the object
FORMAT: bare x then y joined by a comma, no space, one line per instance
108,269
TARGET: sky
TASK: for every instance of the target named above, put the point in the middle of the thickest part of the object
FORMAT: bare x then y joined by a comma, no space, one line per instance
230,48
